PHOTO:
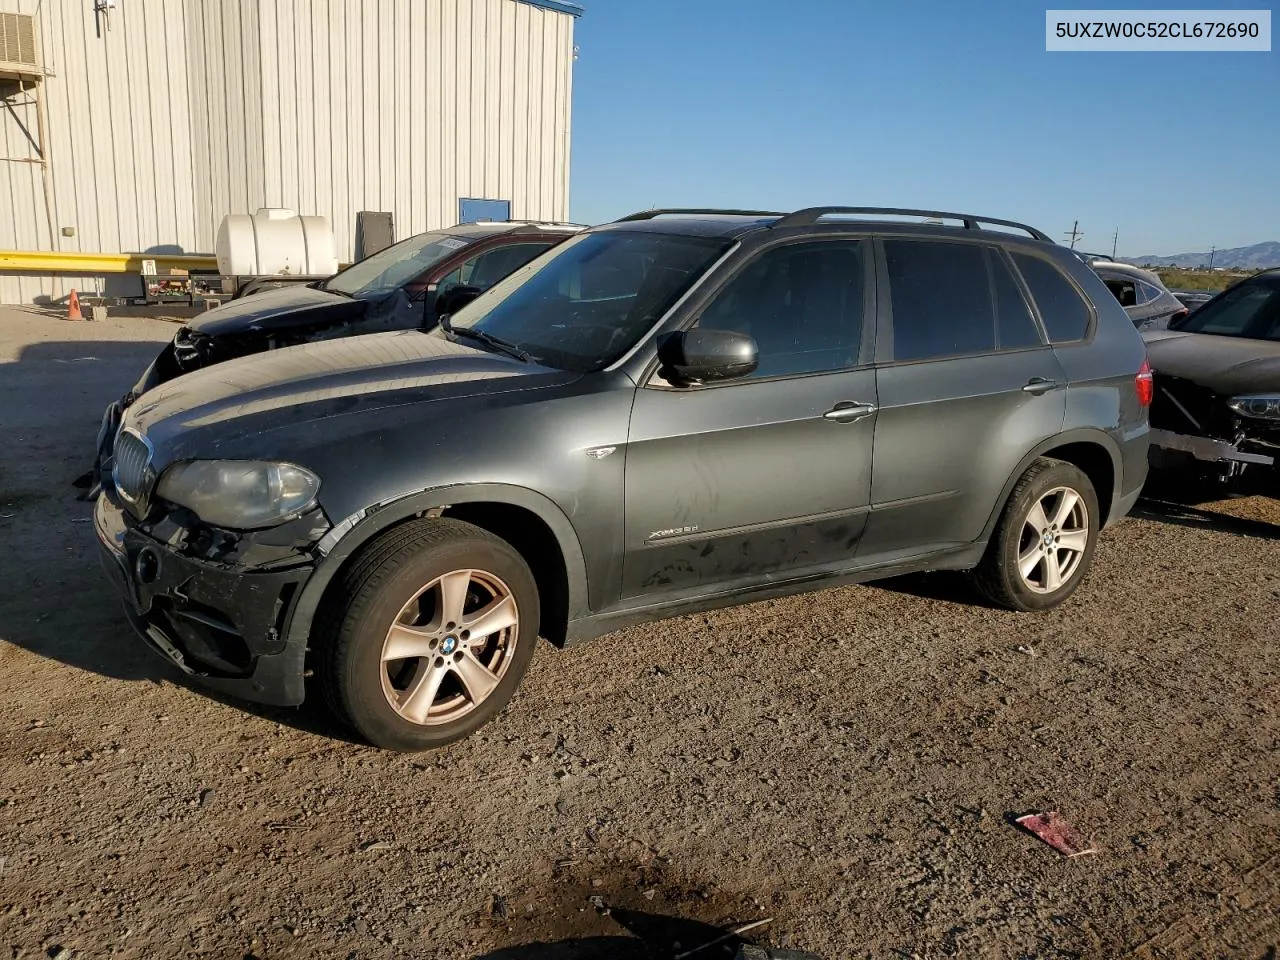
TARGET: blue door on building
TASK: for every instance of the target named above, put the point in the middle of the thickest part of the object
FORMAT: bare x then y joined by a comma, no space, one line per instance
473,211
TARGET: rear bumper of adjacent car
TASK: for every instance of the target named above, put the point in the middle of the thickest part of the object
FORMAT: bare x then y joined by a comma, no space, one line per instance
220,623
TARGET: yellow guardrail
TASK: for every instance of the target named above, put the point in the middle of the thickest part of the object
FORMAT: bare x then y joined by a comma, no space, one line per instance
52,261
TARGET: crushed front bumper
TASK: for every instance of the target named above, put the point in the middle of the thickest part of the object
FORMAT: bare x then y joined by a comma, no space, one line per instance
220,623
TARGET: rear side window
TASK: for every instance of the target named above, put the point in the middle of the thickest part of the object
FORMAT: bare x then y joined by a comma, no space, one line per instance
1124,291
951,299
942,302
1064,311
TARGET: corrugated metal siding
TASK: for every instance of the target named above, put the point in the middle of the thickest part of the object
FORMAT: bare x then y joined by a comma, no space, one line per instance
173,113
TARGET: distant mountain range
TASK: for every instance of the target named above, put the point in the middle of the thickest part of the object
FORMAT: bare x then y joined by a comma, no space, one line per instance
1260,256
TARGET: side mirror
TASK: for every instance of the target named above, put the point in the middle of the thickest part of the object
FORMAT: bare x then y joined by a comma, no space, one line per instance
455,297
704,356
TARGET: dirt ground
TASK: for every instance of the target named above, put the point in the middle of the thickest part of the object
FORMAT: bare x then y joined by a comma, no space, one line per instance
845,764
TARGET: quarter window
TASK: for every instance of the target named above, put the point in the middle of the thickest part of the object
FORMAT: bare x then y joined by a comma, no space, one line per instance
1065,314
801,303
1147,293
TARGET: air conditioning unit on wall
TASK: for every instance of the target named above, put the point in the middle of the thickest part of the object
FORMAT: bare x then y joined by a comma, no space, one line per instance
19,47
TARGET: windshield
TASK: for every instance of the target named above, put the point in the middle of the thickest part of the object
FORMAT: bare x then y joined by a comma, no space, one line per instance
1251,309
387,270
589,300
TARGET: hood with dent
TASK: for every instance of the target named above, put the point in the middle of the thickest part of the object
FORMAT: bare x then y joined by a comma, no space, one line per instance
318,381
1229,366
285,308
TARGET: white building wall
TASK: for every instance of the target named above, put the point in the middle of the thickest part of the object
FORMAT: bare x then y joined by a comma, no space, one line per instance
165,115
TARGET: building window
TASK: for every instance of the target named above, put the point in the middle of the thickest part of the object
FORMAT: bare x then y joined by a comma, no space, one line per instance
472,210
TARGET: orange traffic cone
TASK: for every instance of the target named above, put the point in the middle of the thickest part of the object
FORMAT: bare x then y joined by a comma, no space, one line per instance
73,306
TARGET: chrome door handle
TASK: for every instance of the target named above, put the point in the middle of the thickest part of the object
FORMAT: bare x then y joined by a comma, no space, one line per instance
846,411
1039,385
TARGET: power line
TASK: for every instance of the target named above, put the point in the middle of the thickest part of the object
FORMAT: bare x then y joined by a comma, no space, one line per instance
1074,233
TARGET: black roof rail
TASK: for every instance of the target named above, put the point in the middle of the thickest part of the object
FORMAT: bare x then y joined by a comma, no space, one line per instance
693,211
810,215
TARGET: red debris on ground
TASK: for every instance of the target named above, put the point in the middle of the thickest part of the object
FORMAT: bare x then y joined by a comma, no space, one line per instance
1056,832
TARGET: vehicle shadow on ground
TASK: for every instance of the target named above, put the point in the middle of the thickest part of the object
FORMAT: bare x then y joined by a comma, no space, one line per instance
1185,515
56,601
653,937
952,586
121,361
590,948
312,717
947,586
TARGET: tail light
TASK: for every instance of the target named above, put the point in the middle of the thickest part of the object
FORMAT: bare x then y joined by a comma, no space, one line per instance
1144,385
1178,316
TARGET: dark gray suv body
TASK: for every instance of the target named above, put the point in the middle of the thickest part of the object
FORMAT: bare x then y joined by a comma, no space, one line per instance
661,415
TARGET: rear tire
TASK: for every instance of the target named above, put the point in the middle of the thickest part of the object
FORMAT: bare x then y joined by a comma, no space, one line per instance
1043,544
426,636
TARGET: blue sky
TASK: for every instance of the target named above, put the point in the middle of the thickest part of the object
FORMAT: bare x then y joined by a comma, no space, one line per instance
947,105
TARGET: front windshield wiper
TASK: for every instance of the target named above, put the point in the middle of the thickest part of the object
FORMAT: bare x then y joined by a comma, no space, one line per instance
488,339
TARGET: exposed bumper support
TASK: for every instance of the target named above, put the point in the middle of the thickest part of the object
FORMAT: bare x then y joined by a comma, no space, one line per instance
219,623
1208,449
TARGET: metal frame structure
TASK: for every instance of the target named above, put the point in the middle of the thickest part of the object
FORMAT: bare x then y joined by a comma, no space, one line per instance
30,82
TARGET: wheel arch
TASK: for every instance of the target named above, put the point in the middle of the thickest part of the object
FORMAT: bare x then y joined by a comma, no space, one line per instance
1093,451
533,524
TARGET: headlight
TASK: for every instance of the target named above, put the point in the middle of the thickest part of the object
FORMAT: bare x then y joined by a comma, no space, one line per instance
240,494
1258,407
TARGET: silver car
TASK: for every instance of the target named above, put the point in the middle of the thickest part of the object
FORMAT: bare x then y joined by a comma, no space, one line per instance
1144,297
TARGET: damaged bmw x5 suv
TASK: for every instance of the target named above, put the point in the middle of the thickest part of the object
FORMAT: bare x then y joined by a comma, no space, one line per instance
676,411
1216,411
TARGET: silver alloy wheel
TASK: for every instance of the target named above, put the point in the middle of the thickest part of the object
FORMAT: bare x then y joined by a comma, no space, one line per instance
1055,534
449,647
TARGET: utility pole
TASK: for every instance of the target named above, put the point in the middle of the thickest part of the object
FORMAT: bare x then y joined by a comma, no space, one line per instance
1212,251
1115,238
1074,233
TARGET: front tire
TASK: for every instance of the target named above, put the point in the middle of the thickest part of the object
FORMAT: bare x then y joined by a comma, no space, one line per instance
1043,544
427,635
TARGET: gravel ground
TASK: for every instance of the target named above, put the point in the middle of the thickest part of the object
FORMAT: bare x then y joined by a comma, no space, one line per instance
844,764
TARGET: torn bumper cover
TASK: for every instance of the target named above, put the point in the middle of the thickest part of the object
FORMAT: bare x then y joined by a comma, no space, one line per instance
222,623
1207,448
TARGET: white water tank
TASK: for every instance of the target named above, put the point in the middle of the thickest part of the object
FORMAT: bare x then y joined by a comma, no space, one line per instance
275,241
